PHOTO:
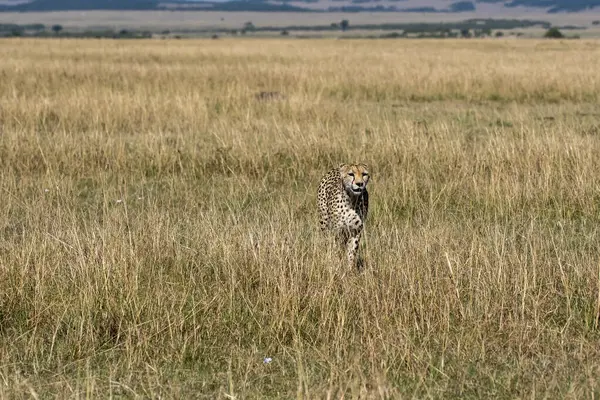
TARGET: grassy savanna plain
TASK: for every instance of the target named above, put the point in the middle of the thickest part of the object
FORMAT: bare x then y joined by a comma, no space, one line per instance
159,236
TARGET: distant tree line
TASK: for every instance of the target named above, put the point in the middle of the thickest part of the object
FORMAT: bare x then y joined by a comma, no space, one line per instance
20,30
465,29
41,30
470,24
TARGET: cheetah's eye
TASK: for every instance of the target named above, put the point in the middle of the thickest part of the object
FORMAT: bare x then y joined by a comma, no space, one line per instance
351,173
365,174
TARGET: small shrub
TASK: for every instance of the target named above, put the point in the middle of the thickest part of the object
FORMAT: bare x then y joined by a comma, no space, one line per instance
554,33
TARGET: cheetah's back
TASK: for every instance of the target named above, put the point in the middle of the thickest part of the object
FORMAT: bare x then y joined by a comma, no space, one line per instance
329,188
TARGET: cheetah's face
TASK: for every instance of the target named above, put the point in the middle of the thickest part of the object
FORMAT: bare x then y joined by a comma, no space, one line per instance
354,178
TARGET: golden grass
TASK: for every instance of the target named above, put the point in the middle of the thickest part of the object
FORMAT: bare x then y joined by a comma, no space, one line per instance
159,238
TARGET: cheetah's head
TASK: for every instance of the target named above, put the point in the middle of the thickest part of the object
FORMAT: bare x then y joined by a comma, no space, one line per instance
354,178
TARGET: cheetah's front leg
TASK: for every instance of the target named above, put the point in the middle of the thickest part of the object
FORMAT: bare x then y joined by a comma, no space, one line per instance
352,250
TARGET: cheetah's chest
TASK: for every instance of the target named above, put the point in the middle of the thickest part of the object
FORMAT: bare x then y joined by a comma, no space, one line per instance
349,214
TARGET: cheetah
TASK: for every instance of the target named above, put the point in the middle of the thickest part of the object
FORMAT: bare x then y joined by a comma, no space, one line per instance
343,205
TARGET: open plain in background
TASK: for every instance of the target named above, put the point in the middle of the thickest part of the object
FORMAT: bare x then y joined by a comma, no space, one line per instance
192,22
236,20
158,231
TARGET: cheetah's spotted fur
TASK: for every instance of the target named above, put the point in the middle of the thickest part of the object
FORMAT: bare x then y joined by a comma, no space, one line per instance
343,205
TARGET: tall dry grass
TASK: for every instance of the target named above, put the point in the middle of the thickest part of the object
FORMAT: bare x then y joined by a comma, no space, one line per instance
158,233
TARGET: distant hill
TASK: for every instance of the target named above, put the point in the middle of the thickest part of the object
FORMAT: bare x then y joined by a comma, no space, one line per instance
145,5
65,5
556,5
551,6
